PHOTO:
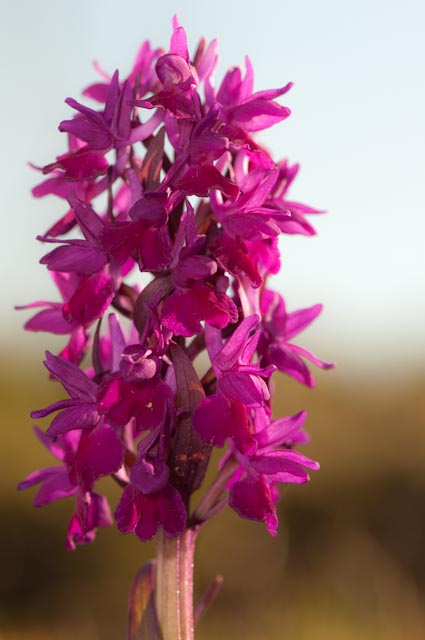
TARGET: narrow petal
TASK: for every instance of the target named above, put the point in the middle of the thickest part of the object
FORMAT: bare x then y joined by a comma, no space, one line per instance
281,430
75,381
310,356
36,477
235,345
80,416
54,488
55,406
50,320
77,258
286,360
249,389
299,320
259,114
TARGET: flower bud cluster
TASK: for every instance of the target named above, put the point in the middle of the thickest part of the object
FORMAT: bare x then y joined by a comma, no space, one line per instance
164,178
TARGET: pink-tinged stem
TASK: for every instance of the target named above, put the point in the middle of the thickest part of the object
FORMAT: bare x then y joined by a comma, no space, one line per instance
174,585
211,502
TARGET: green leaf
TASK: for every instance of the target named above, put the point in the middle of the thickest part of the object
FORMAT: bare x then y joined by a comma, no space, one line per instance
152,162
97,364
142,618
189,456
160,287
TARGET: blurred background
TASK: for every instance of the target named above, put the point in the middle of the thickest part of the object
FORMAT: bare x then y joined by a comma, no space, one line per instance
349,559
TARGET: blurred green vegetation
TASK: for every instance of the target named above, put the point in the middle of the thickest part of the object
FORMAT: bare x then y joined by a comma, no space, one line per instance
348,562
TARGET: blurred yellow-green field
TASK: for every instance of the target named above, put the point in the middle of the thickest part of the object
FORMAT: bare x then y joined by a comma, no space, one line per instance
348,563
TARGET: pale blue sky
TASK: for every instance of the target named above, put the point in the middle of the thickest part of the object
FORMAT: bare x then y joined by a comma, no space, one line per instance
358,129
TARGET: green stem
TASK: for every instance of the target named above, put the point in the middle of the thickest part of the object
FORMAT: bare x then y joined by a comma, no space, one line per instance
211,498
174,585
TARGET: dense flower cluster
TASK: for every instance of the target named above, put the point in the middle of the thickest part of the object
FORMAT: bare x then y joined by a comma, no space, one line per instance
165,178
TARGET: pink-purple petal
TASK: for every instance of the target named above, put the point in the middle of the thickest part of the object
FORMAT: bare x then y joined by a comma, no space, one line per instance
249,389
297,321
54,488
218,418
92,511
310,356
75,381
234,347
80,416
100,452
251,498
281,430
287,361
51,320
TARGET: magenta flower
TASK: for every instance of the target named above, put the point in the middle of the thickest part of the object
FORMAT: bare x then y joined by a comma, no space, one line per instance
75,166
144,401
92,511
142,77
84,460
80,411
144,513
240,386
253,489
243,111
278,328
54,481
102,132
